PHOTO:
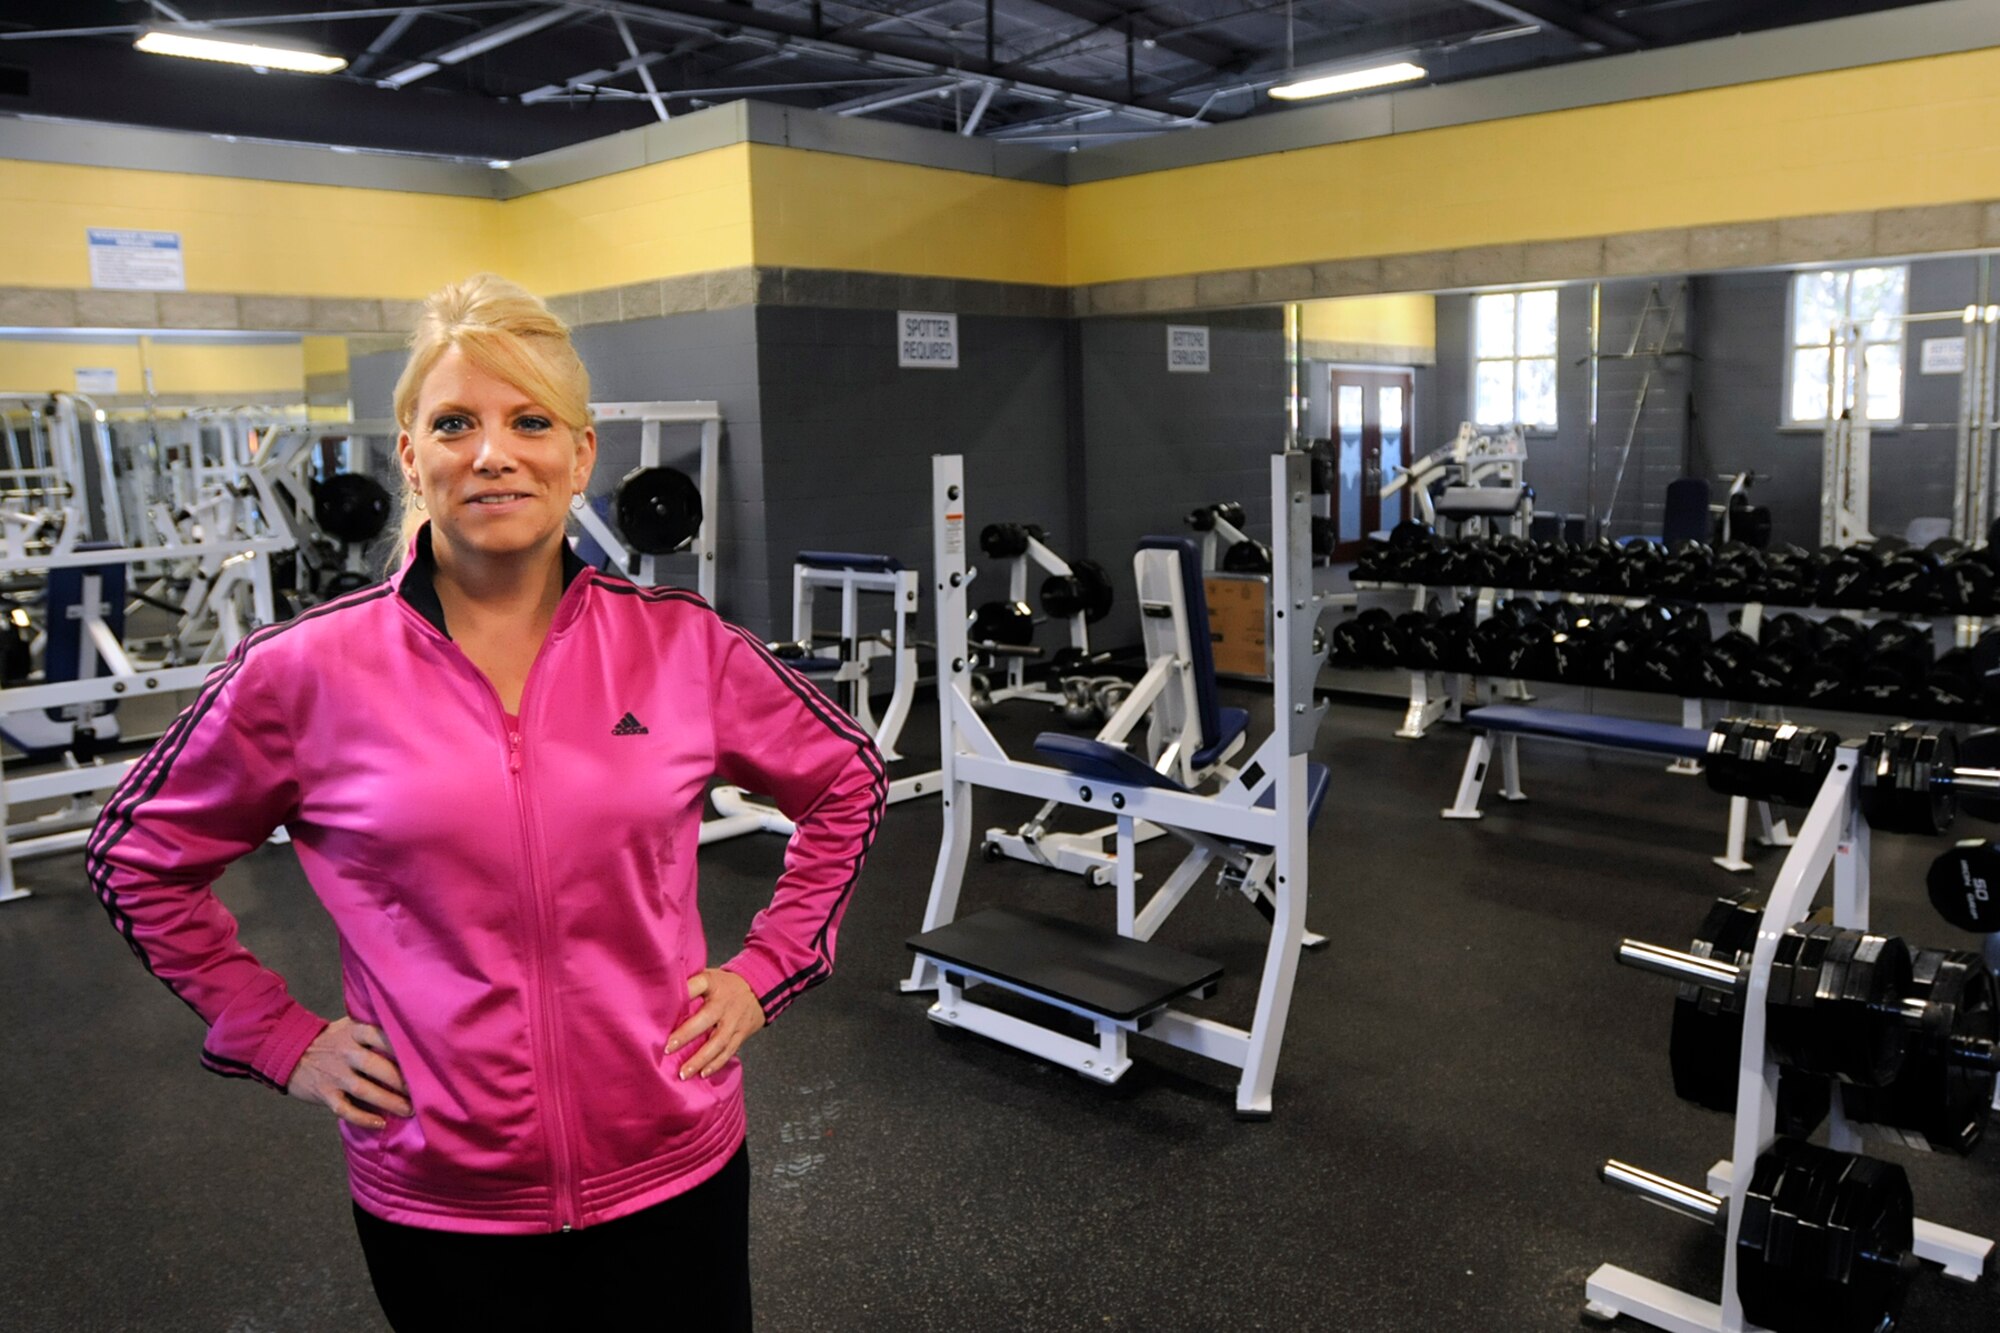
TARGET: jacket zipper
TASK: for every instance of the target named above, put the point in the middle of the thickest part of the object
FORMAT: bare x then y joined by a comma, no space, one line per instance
548,1036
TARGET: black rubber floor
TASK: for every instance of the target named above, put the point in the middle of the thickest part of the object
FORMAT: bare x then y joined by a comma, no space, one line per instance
1458,1065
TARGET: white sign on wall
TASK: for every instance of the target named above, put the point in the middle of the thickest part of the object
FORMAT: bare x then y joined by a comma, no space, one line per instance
926,340
1943,356
1187,349
136,261
96,380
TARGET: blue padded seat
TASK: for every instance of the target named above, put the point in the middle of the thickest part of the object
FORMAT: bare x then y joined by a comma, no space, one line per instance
1219,726
854,560
813,666
1686,517
1088,757
1618,733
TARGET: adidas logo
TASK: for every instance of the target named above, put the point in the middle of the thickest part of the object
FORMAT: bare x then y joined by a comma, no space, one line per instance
629,726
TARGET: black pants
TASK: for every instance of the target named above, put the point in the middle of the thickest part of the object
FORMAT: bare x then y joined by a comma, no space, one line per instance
684,1263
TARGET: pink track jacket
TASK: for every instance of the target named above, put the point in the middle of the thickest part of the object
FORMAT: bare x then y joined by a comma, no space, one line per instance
515,901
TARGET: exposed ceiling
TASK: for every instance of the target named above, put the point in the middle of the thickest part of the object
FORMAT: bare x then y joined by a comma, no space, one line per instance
505,79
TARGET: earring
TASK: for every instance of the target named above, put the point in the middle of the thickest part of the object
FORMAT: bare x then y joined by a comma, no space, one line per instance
577,501
420,503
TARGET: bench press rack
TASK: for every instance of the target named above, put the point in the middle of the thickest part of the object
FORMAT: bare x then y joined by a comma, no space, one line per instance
851,574
1833,835
1122,983
652,417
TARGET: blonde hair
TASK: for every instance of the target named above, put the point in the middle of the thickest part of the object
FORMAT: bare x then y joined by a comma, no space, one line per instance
506,331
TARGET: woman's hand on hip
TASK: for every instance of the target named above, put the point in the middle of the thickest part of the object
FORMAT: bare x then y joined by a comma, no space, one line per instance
729,1014
350,1069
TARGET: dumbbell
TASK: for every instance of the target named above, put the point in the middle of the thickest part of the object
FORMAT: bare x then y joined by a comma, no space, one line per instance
1415,548
1825,1243
1722,667
1506,637
1968,582
1785,646
1828,679
1001,624
1368,639
1378,562
1735,573
1895,660
1636,568
1847,576
1908,580
1910,778
1952,689
1415,647
1549,566
1791,576
1686,572
1661,649
1591,568
1964,885
1578,653
1452,633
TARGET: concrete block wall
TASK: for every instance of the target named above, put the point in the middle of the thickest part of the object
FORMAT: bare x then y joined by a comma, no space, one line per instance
1157,443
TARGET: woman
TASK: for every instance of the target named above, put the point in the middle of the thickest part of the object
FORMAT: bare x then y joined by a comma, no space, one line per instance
493,768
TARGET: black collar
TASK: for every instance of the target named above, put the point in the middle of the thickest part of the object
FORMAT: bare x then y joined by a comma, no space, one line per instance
419,583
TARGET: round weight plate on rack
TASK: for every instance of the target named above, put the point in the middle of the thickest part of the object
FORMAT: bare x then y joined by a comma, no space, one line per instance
658,510
1833,1007
1937,1104
1899,792
1979,749
1825,1241
350,507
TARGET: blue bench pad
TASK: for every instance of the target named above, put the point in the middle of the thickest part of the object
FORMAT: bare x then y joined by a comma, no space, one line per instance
1617,733
1090,758
855,560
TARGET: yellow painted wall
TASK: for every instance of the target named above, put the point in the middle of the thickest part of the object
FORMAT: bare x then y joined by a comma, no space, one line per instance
1408,320
1910,133
273,369
824,210
688,215
245,236
323,355
271,238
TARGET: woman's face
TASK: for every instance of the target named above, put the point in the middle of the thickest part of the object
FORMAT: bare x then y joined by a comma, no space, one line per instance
495,469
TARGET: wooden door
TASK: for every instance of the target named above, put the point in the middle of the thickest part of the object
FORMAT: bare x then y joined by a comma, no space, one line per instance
1371,439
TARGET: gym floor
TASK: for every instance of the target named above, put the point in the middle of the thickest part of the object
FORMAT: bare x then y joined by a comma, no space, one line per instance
1460,1061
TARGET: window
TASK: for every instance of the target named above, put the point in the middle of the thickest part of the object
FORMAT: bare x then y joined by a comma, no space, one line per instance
1514,359
1826,306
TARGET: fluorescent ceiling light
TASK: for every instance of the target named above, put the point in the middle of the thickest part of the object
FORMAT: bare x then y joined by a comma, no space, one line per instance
1348,81
160,43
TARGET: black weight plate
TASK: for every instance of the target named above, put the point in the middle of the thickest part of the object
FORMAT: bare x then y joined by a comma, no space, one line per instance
350,507
1964,886
1011,624
1899,792
1824,1242
658,510
1769,761
1832,1007
1937,1104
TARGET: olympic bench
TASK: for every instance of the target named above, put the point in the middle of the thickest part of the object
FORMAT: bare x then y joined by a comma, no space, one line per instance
1118,982
1506,724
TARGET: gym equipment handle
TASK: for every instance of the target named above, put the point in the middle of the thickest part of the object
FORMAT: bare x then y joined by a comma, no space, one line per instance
1668,1194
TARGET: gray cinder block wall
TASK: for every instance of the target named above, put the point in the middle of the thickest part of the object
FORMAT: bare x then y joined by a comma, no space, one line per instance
1158,443
1075,425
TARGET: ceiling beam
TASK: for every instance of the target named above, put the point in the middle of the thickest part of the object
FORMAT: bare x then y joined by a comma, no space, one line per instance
388,37
1108,15
888,52
1571,22
478,44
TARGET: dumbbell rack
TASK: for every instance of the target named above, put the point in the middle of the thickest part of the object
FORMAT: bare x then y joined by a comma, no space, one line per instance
1833,836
